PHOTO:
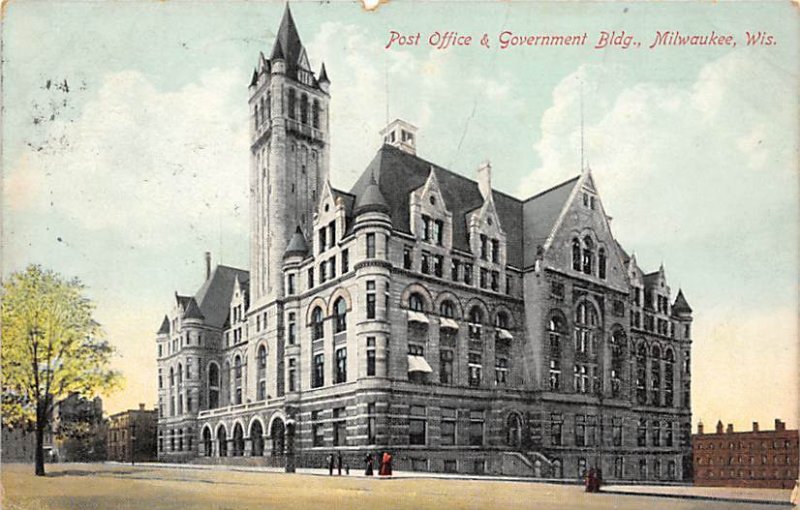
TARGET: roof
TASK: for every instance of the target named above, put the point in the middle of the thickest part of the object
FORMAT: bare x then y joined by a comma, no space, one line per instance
540,213
297,244
214,296
323,74
398,173
680,305
371,199
164,329
287,42
193,311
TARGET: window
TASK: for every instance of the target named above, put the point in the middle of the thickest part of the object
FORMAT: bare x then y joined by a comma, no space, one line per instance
318,378
292,329
426,228
310,277
454,269
345,261
641,374
484,247
339,427
416,303
262,372
581,468
289,291
370,355
323,239
438,231
588,255
448,426
407,258
446,358
371,299
484,276
417,425
446,309
475,323
292,374
617,361
317,324
323,272
495,251
555,328
586,322
474,364
501,371
370,246
331,234
616,431
601,263
656,435
317,430
580,430
581,379
213,386
556,424
468,274
495,281
340,309
508,285
655,377
304,109
160,380
576,255
291,104
641,433
341,365
669,373
237,374
372,428
476,428
438,262
332,266
425,265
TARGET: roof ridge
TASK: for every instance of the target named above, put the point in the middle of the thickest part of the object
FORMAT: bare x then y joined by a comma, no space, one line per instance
552,188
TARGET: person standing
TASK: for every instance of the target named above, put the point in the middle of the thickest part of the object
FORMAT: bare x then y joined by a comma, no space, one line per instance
330,464
386,465
368,460
339,462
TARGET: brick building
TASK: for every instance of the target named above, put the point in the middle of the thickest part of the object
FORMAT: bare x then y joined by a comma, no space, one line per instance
421,312
755,458
131,435
78,429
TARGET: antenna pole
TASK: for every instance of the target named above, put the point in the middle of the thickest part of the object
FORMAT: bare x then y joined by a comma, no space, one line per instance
583,166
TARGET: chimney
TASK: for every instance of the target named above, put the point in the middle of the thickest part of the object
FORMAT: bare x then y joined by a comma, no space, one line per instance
730,429
141,407
719,427
485,179
700,428
208,265
755,426
779,425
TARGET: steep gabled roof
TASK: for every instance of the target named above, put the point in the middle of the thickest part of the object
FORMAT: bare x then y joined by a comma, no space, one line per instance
214,296
398,173
540,214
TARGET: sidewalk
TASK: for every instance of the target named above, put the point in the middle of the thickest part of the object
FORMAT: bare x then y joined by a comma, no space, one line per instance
779,497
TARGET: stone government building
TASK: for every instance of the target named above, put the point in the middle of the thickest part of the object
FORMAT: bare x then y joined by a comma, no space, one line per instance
423,313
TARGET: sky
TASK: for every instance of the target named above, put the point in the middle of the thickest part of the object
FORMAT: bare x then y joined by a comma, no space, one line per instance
134,160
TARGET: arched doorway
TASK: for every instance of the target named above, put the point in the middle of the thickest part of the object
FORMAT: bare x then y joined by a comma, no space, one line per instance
277,432
257,439
514,430
207,442
222,440
238,440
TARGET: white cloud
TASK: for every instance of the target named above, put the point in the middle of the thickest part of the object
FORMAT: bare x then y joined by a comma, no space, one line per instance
143,162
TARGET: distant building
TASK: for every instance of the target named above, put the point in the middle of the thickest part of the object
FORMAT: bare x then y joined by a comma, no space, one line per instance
757,458
78,429
19,444
132,433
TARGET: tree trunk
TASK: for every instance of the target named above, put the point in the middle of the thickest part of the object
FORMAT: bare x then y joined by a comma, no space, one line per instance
39,452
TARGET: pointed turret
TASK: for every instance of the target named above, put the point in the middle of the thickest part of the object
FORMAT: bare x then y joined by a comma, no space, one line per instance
193,311
297,245
254,79
287,43
323,81
371,199
681,306
164,329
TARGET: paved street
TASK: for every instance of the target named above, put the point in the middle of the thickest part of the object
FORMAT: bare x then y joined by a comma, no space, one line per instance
98,486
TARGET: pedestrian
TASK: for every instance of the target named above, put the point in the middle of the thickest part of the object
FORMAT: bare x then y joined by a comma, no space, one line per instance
590,476
347,468
598,481
330,464
368,460
339,462
386,465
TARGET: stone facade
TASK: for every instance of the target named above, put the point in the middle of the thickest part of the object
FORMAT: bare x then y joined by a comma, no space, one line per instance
422,313
756,458
131,435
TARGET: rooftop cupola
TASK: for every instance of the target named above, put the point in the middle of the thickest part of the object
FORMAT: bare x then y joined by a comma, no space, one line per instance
402,135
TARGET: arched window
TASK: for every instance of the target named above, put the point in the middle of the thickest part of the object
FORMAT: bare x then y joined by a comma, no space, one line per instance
207,442
340,309
213,386
641,374
655,376
601,263
617,361
317,329
171,376
514,431
237,377
475,322
501,320
588,255
262,372
238,441
222,442
180,373
416,303
555,330
576,254
669,373
304,109
586,323
446,309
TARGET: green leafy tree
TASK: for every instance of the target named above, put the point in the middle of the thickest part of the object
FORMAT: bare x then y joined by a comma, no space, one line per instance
51,347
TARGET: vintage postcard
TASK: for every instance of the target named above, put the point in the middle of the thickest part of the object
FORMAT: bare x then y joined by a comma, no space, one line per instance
453,254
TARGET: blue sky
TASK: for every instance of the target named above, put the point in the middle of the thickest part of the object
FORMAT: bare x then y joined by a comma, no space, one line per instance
144,164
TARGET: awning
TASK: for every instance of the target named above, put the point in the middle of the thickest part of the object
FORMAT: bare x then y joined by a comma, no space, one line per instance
418,364
504,334
417,317
444,322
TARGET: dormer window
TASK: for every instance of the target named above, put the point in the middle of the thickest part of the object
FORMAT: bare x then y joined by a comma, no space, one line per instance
484,247
495,251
